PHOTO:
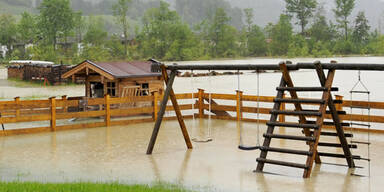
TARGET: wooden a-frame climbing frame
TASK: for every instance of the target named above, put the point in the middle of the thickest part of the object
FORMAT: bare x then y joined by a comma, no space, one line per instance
311,137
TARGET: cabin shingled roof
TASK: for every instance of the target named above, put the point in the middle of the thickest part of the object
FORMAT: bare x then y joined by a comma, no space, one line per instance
125,69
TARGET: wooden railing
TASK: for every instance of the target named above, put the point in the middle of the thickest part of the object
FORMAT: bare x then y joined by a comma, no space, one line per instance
109,111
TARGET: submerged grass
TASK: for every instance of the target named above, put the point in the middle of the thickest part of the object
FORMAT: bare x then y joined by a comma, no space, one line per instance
86,187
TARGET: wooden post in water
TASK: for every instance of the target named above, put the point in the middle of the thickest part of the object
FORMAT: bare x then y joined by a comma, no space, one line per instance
282,116
201,103
17,102
155,104
53,113
107,108
65,107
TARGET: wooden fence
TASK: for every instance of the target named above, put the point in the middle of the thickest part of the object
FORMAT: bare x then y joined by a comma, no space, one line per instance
111,111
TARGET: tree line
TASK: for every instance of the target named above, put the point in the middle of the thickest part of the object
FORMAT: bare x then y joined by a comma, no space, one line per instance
58,33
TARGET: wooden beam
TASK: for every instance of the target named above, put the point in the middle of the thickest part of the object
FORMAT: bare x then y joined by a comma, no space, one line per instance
107,107
336,119
160,115
168,93
273,118
53,113
302,119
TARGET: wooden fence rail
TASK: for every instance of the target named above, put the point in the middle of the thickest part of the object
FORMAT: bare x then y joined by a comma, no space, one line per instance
145,108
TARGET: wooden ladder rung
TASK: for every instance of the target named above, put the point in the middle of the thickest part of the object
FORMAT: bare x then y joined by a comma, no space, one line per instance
320,101
306,113
336,145
290,137
330,123
327,112
282,150
299,125
336,155
282,163
361,124
334,134
305,89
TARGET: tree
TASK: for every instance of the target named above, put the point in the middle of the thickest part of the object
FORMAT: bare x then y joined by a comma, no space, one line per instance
96,34
256,42
303,9
26,28
281,36
80,26
56,20
321,30
248,18
222,35
342,11
7,31
361,31
164,36
120,11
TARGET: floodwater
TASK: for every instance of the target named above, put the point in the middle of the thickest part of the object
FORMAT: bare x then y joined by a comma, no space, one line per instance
118,153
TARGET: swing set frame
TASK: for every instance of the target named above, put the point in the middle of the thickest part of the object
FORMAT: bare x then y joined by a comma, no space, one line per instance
169,79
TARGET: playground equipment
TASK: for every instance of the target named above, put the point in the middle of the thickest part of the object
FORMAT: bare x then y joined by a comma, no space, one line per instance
241,144
311,129
360,89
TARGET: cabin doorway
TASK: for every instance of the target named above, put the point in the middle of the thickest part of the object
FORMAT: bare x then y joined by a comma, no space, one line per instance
97,90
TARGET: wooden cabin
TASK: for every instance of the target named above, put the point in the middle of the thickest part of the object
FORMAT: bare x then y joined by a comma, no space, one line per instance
118,79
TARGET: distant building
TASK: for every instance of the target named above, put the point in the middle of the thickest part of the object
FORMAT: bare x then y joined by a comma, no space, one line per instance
29,70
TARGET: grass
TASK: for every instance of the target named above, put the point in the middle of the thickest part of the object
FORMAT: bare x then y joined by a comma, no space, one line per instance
86,187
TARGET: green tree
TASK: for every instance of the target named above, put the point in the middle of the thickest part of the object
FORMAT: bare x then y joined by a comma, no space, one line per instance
80,26
7,31
302,9
164,35
361,34
26,28
321,30
96,34
222,35
120,11
281,36
342,11
56,20
256,42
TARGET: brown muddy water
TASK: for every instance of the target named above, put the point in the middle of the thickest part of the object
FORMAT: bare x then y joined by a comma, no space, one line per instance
118,153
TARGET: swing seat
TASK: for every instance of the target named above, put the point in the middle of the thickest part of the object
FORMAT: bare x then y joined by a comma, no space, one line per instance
248,148
202,141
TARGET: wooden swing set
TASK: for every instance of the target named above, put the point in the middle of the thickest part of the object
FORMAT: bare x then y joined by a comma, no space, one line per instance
312,130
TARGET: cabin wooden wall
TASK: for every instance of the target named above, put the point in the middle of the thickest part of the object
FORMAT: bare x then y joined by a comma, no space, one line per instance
155,83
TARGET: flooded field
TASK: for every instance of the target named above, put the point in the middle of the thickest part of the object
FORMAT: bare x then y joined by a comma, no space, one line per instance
118,153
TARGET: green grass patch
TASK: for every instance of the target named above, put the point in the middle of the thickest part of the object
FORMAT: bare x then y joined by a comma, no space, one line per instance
86,187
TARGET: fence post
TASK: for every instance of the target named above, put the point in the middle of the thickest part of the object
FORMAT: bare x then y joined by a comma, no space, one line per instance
17,102
107,108
201,103
239,105
339,107
155,95
282,107
53,113
65,107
